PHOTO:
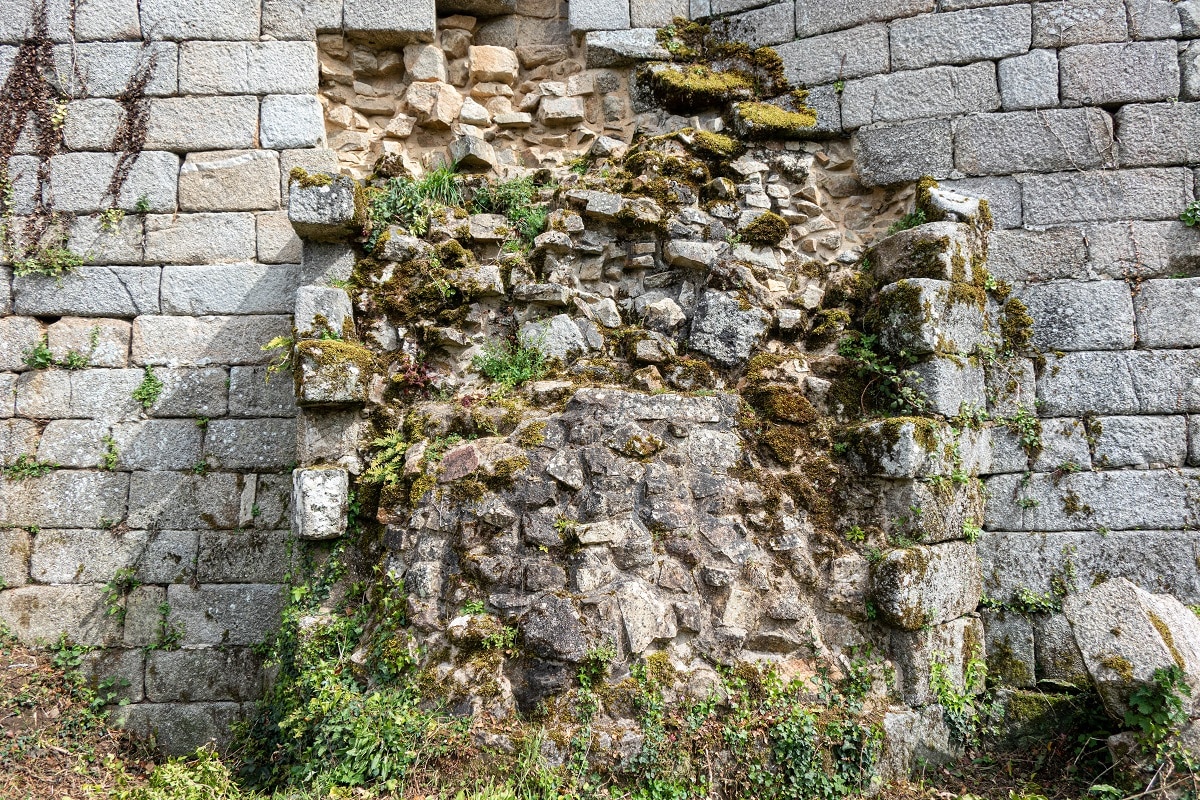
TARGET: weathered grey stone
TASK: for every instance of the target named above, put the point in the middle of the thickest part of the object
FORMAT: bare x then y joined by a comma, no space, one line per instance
72,443
1148,249
201,341
926,584
326,261
922,316
277,242
473,153
761,27
1166,381
15,548
1109,74
1087,383
949,384
932,92
1020,255
552,629
1034,141
64,499
320,503
38,614
323,212
199,238
1141,442
202,123
1189,18
1058,657
558,337
107,20
17,335
247,68
384,23
1116,500
250,556
899,449
252,393
180,501
616,48
1161,306
311,161
1097,315
1002,193
961,37
158,444
229,289
103,394
84,556
725,332
927,251
179,728
1125,633
657,13
233,180
8,394
478,8
1010,648
597,15
191,676
855,53
99,243
696,255
822,16
331,372
1152,194
1158,561
1029,81
287,120
79,182
191,393
1189,65
322,309
123,668
17,21
251,444
329,435
105,69
1064,446
1159,134
229,20
1078,22
300,19
646,617
896,153
90,292
1154,19
229,614
91,124
559,111
17,436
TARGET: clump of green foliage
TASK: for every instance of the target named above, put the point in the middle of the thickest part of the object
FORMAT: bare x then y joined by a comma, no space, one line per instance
967,710
40,356
511,364
110,456
910,220
411,202
517,201
889,381
149,390
26,466
1191,214
50,261
387,462
117,591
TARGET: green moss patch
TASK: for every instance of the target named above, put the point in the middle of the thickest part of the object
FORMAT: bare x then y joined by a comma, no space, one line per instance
760,120
767,229
696,87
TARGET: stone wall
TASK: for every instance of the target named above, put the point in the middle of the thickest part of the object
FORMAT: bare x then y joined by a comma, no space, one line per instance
1074,119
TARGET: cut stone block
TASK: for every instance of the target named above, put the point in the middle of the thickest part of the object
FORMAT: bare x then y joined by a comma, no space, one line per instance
961,37
949,384
288,121
932,92
897,153
320,497
599,15
1034,141
331,372
247,68
839,56
228,614
186,124
1097,315
323,212
1029,81
1078,22
952,644
1011,657
1125,633
927,584
229,289
386,23
1128,194
182,20
618,48
923,316
1110,74
232,180
822,16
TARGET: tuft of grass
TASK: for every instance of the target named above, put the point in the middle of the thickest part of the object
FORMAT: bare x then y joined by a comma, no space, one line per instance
412,202
514,199
909,220
511,364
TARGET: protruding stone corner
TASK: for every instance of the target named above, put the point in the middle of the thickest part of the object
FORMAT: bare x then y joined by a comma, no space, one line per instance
915,587
320,502
322,207
900,447
323,309
1125,634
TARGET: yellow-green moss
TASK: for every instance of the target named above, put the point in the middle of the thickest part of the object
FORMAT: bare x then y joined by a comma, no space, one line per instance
1016,326
1119,665
717,145
307,180
533,435
767,229
760,120
330,352
1167,638
696,87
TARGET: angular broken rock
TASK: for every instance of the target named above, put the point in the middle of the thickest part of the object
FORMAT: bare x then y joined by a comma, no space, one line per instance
726,331
471,152
552,630
1125,634
320,497
436,104
493,65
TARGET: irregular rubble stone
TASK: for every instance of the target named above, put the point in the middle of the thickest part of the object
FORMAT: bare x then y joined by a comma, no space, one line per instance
723,330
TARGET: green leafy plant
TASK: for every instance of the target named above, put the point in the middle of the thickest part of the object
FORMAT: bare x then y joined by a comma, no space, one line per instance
516,200
110,220
511,364
965,709
26,466
50,261
1157,710
142,206
149,390
117,591
1191,214
108,459
168,635
910,220
971,531
280,349
888,379
39,356
411,202
387,460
